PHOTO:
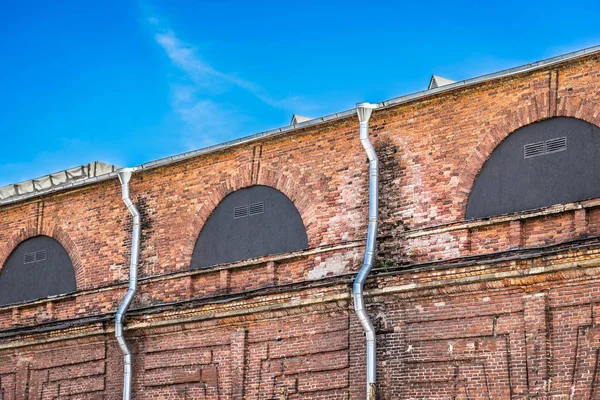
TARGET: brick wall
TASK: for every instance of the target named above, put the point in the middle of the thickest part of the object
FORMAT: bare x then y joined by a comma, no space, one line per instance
504,307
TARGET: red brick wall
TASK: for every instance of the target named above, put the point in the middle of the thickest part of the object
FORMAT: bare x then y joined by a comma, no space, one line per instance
525,329
504,307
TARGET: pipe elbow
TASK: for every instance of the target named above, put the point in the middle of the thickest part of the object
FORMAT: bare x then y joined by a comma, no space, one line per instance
370,336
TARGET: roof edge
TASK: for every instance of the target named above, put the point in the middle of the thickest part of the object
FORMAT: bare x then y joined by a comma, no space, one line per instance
320,120
384,104
494,75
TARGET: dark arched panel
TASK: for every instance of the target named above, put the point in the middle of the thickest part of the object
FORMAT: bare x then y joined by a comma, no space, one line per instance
549,162
252,222
37,268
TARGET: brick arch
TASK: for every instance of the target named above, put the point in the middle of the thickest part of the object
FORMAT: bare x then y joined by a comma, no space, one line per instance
537,110
54,231
242,179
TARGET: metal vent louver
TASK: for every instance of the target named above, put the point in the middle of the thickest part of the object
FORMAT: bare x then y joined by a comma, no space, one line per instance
257,208
248,210
556,145
40,255
36,256
240,212
534,149
29,258
547,147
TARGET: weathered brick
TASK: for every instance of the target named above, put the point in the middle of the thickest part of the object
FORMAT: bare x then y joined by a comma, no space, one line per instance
503,307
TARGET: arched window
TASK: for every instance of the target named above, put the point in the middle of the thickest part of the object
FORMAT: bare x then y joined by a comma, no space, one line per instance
37,268
549,162
252,222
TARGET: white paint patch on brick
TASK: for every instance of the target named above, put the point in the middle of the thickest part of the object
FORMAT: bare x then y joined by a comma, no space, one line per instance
443,243
333,265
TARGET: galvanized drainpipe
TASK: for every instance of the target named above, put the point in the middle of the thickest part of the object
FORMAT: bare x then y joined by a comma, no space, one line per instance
124,177
364,111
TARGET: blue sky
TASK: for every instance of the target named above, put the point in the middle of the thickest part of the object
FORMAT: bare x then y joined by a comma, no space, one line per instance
130,81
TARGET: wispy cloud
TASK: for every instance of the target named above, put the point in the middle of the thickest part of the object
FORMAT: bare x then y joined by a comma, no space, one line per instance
197,95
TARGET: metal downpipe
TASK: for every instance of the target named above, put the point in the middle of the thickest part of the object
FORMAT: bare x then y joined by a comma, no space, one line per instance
124,177
364,111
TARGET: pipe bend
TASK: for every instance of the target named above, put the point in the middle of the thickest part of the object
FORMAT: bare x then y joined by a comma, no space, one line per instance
125,176
364,111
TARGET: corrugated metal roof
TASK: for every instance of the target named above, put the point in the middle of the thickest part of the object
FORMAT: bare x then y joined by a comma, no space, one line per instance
321,120
54,181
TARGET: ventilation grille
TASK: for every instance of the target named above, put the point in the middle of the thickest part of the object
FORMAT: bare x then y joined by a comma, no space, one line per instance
534,149
556,145
240,212
248,210
40,255
257,208
31,258
547,147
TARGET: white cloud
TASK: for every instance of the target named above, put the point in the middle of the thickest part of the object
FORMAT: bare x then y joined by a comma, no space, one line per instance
186,57
211,120
196,95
